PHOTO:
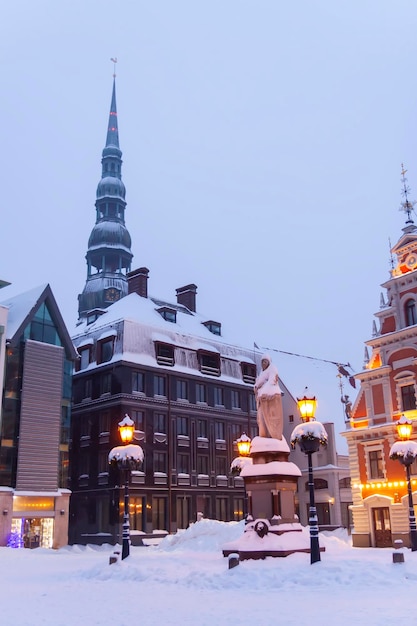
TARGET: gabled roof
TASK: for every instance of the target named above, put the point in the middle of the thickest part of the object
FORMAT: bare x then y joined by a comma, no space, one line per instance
23,307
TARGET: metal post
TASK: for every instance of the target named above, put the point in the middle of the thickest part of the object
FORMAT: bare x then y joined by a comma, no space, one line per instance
313,520
411,514
126,526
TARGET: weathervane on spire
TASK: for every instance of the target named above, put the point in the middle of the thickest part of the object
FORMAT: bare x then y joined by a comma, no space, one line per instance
114,61
408,205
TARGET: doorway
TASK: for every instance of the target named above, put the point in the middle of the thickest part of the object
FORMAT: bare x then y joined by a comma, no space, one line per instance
382,527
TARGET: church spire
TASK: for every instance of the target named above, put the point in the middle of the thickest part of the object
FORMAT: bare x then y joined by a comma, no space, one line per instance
109,255
407,205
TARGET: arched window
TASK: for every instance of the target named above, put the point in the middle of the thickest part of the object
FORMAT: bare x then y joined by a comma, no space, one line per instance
319,483
410,313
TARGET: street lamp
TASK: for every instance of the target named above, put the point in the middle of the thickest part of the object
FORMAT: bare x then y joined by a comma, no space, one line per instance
310,435
127,457
405,451
243,445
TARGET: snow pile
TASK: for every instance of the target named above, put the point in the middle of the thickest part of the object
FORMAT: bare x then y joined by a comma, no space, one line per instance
207,535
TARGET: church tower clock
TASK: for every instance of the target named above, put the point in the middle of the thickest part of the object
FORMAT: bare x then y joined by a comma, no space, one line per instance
109,253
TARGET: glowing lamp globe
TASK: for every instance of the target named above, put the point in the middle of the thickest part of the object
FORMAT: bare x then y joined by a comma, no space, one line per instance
243,445
126,429
307,407
404,428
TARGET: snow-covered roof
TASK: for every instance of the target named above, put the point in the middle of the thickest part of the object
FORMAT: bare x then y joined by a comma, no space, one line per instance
19,307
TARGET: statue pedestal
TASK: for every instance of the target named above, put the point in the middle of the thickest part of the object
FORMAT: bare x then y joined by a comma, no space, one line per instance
272,527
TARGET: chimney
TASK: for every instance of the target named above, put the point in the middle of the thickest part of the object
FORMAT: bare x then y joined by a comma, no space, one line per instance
137,281
186,296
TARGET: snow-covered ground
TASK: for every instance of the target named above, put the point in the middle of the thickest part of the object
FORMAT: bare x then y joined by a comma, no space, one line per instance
185,580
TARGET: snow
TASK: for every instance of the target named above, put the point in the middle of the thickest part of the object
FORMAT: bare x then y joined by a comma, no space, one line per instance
309,429
185,580
126,453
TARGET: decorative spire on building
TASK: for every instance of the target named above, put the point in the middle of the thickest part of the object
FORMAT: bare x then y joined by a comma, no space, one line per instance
109,253
407,205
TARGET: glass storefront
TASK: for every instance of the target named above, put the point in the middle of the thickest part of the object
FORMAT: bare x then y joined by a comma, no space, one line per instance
32,532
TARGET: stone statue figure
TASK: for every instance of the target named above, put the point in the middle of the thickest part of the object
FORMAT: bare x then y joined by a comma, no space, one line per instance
268,400
348,406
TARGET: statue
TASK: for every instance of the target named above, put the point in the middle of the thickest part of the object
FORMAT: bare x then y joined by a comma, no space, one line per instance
268,400
348,407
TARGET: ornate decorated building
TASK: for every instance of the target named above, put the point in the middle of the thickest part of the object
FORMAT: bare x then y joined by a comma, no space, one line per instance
387,391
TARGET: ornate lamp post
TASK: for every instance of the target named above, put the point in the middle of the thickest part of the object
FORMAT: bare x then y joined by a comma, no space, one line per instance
127,457
243,445
310,435
406,451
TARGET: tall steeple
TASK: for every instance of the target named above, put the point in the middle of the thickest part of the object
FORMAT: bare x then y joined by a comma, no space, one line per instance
109,255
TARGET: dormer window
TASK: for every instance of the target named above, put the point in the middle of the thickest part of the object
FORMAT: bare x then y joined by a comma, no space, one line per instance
209,363
169,315
248,373
213,327
410,313
94,314
164,353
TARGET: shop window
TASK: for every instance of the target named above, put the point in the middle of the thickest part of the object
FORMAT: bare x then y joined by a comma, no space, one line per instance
183,512
159,513
221,509
238,509
136,509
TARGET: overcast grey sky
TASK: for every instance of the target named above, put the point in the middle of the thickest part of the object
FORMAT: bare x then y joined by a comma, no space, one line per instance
262,145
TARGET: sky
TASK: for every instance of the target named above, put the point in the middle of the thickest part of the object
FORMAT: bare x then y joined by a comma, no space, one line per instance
262,145
186,580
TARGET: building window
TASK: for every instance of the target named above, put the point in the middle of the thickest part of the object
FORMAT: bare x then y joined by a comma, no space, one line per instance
221,466
219,430
238,509
159,513
138,382
169,315
213,327
218,396
183,512
105,350
183,464
160,423
252,402
408,398
164,353
182,426
248,373
182,390
88,387
202,430
104,422
291,419
221,509
139,418
319,483
209,363
236,431
202,465
376,466
235,399
200,393
85,358
159,385
410,313
345,483
160,462
103,462
105,383
136,517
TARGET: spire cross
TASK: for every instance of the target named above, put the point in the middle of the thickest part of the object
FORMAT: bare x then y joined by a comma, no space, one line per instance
114,61
407,205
